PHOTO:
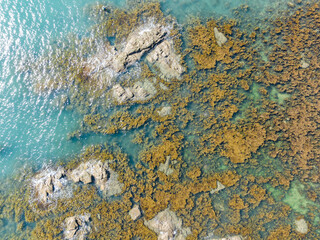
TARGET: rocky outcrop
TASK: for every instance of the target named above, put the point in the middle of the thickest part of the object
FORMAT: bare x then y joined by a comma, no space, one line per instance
140,91
301,226
48,184
168,226
138,43
98,173
135,212
76,227
220,38
165,58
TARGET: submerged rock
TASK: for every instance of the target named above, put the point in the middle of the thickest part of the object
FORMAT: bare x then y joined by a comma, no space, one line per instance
304,64
165,111
220,38
168,226
165,58
301,226
76,227
219,187
135,212
141,91
98,173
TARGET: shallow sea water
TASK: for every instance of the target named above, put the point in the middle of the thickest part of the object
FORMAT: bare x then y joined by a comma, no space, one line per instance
33,129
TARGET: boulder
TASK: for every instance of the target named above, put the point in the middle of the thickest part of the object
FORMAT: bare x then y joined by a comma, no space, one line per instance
135,212
165,58
164,167
168,226
220,38
301,226
76,227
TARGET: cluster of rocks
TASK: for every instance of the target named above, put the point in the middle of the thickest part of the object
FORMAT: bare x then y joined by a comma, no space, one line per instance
50,183
141,91
168,226
76,227
98,173
148,39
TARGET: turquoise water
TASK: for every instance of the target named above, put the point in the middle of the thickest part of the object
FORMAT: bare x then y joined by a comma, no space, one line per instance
32,129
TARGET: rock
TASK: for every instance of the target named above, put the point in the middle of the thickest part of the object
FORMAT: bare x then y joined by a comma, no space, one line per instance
220,38
165,58
304,64
100,173
164,167
165,111
47,183
76,227
301,226
139,42
135,212
219,187
168,226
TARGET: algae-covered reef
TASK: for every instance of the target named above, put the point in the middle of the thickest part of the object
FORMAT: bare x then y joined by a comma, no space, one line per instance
225,120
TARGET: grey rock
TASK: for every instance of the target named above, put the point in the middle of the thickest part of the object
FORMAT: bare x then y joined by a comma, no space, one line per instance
168,226
135,212
220,38
76,227
165,58
301,226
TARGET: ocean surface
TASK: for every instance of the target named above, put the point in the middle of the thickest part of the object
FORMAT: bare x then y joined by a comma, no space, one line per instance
34,129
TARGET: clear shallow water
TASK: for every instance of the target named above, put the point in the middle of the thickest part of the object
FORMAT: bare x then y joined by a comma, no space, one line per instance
31,129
